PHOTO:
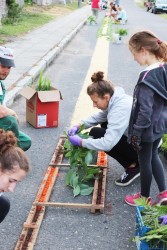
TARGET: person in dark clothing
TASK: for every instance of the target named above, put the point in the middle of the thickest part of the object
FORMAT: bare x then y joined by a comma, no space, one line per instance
148,121
14,167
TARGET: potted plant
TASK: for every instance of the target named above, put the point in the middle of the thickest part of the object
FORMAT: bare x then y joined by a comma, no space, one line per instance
120,33
91,20
42,103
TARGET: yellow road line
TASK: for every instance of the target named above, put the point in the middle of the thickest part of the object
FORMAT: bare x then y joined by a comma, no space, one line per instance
99,61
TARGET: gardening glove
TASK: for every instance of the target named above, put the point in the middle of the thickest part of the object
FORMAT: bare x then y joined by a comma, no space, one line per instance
73,130
135,142
75,140
164,219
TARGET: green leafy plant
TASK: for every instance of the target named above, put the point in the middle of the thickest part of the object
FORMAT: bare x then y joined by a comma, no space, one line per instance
80,174
157,232
44,83
121,32
164,144
14,12
91,20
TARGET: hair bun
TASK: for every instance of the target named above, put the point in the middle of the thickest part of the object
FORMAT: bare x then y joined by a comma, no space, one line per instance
7,139
98,76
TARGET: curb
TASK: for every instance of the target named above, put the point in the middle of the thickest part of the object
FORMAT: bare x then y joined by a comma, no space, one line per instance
29,77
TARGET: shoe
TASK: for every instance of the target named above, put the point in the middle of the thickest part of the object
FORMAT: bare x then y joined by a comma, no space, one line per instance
161,198
127,177
130,199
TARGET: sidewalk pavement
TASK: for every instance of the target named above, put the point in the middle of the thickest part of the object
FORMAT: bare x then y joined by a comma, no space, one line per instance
34,51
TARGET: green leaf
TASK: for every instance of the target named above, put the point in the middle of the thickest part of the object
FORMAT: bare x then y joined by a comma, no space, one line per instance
75,181
76,190
86,191
68,154
68,177
88,158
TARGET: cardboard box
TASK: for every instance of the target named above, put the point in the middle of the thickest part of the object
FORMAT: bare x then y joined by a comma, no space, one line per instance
42,107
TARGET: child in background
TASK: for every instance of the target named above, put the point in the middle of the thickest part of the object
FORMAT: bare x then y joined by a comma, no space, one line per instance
148,120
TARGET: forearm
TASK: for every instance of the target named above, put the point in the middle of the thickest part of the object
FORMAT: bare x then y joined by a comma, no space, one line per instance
4,111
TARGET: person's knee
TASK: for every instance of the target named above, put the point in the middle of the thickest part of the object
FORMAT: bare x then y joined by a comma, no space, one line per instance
4,207
93,132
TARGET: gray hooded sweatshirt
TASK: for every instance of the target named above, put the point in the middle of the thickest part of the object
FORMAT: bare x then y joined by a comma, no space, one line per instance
117,115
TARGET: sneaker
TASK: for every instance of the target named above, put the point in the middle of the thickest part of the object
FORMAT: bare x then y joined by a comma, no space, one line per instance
127,177
130,199
161,198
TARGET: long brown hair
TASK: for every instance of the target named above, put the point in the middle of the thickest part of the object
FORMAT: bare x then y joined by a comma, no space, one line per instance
10,154
150,42
99,85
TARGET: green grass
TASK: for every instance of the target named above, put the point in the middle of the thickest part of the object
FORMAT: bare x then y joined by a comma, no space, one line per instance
31,19
28,22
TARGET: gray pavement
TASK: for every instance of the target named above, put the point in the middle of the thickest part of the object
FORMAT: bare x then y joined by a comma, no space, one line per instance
72,229
37,49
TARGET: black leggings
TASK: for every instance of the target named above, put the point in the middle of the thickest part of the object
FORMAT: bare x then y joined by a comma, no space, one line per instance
122,151
150,164
4,207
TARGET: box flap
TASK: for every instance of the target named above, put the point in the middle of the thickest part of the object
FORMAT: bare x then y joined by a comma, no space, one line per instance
28,92
49,96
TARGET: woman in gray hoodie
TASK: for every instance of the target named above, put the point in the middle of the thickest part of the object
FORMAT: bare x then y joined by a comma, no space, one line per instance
113,117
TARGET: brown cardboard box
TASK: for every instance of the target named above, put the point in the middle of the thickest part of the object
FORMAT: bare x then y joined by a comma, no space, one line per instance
42,107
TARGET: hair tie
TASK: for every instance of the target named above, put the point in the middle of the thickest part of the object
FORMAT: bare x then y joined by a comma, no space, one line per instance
159,41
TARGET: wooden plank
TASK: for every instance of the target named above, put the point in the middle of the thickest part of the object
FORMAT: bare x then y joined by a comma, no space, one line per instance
103,190
68,205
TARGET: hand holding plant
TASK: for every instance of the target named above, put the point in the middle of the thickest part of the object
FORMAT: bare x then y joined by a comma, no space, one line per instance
80,174
75,140
73,130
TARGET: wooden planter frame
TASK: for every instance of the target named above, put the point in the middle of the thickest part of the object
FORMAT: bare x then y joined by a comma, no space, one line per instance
32,225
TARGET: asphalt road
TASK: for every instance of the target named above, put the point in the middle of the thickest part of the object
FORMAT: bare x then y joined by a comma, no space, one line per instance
70,229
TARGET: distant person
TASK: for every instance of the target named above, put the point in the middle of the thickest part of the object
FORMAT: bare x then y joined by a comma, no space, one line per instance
115,107
121,16
95,8
14,167
113,10
148,121
8,117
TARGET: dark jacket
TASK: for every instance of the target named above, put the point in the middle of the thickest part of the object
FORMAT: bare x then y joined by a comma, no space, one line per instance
149,110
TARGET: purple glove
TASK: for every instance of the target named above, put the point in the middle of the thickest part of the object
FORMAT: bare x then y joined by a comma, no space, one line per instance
164,219
75,140
73,130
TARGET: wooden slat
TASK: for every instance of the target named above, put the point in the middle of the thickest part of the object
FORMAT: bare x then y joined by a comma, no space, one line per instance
68,205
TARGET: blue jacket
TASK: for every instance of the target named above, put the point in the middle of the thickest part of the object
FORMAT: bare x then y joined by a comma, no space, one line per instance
149,110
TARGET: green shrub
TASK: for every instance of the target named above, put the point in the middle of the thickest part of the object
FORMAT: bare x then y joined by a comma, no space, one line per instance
164,144
14,12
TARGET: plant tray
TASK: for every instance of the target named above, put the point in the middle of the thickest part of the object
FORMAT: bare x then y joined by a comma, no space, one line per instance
141,230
